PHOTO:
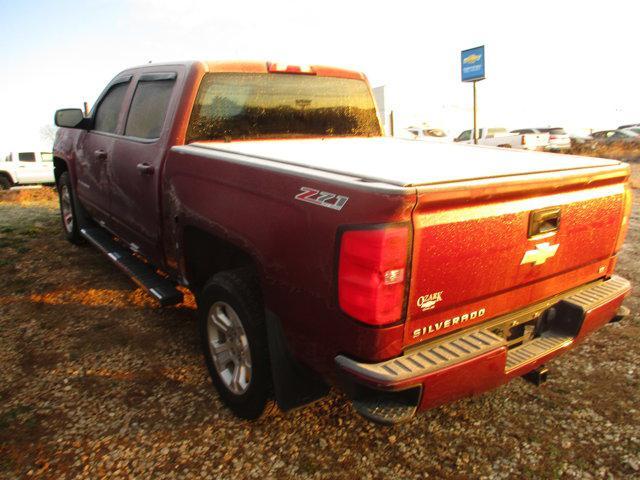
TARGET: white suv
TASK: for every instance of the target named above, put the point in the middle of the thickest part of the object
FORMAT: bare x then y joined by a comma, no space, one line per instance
26,168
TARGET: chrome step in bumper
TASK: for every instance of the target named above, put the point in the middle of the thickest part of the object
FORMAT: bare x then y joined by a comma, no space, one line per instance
472,361
536,348
426,360
441,354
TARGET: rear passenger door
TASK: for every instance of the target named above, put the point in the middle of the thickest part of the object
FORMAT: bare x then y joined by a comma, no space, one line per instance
26,169
137,162
95,149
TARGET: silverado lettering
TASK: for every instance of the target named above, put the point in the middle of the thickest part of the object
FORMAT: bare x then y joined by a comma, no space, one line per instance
449,322
180,176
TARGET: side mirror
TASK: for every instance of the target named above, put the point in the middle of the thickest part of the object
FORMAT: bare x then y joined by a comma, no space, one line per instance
69,118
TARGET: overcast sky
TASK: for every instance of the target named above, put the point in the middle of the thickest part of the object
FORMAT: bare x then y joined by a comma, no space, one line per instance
569,63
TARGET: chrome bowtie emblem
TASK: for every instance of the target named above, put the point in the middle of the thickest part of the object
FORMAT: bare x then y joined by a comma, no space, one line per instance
541,254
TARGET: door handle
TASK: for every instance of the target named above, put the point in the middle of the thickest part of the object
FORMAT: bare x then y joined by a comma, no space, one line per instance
145,169
543,221
100,154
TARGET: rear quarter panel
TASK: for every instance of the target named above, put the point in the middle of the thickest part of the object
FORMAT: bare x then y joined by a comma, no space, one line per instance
251,204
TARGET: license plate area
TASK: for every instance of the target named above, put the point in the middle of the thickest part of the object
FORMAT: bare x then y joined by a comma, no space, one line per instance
555,319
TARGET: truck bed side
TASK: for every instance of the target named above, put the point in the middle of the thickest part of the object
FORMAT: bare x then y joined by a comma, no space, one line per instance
251,204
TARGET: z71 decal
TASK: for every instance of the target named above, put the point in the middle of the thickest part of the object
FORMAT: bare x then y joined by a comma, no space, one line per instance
324,199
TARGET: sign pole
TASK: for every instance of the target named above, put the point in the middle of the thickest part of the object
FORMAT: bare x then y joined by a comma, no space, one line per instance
475,114
472,64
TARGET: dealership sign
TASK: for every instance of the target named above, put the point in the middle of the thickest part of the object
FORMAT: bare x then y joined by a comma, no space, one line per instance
472,64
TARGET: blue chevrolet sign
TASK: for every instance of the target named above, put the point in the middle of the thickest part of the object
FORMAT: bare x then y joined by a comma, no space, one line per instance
472,62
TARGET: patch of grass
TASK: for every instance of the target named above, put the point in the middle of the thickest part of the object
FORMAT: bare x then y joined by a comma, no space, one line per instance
19,285
6,464
10,417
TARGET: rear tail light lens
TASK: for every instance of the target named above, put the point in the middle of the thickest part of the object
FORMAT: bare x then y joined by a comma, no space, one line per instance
524,140
626,213
372,273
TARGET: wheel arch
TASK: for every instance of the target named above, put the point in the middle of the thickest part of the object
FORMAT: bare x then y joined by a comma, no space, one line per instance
7,175
59,167
206,254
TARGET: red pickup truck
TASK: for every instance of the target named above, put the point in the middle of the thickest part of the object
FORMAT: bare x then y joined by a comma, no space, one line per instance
322,253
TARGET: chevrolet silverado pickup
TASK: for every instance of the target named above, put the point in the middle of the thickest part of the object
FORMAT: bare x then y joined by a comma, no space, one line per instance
321,253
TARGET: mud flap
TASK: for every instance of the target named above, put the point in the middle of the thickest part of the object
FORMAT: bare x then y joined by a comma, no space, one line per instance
82,217
294,384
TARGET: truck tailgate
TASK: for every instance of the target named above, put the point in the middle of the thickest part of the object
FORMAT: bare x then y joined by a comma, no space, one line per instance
474,257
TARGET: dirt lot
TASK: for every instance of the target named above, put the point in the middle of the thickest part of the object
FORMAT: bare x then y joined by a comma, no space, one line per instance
98,382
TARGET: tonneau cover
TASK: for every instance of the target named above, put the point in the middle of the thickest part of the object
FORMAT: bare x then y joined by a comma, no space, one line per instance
407,162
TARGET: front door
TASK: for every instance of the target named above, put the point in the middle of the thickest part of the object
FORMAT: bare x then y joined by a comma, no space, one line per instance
95,150
136,164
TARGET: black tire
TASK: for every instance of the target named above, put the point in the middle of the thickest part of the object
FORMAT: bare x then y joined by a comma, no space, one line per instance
5,183
71,231
239,290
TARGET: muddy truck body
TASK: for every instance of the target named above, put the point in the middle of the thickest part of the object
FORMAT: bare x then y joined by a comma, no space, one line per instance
322,253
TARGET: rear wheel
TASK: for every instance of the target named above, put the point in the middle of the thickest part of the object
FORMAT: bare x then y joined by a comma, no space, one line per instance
5,183
68,210
234,342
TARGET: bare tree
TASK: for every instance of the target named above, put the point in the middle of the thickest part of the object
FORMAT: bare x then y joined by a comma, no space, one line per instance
48,133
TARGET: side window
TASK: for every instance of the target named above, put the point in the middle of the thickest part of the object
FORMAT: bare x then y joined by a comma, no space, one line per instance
495,132
9,158
464,136
27,156
149,108
106,117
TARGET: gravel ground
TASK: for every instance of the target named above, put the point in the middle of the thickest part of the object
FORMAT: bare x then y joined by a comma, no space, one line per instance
98,382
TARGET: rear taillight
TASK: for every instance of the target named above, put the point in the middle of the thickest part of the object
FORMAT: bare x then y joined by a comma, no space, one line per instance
626,213
372,273
552,137
524,140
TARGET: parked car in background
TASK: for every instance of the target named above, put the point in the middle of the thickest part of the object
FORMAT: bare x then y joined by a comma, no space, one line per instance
26,168
635,130
578,139
612,136
420,133
558,138
500,137
622,127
